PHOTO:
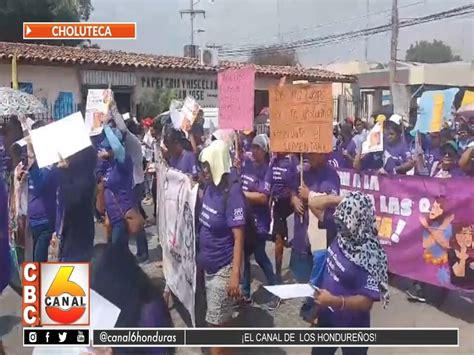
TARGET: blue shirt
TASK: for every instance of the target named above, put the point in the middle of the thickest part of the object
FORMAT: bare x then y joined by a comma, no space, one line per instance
42,195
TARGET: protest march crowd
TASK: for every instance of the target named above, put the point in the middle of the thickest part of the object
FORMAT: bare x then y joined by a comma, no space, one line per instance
247,196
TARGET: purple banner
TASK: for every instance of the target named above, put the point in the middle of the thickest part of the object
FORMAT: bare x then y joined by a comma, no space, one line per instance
425,224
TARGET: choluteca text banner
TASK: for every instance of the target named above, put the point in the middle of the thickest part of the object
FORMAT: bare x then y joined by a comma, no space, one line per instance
268,337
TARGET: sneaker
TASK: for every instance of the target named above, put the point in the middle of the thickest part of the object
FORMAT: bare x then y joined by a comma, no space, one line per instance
273,305
141,259
415,294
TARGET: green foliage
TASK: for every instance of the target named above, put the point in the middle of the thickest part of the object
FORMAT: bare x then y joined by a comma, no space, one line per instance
262,56
430,52
14,12
156,102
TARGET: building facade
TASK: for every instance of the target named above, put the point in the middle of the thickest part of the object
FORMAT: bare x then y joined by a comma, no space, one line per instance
61,76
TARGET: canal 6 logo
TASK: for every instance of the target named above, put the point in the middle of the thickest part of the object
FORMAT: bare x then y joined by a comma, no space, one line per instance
62,290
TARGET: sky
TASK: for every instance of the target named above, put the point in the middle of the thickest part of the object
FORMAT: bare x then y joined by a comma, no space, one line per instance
237,23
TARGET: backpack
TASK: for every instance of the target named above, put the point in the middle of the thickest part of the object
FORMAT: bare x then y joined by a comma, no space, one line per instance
250,229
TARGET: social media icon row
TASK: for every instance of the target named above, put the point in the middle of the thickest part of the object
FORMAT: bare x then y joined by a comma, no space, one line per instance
33,337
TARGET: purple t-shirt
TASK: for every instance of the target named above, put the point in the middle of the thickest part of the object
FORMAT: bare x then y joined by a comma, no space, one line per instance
342,277
323,180
186,163
337,158
219,214
396,155
284,176
119,196
258,178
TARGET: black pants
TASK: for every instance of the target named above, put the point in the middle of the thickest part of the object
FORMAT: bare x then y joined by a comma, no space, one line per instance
138,191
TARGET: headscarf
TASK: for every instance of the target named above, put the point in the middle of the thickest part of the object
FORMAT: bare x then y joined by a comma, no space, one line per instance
262,141
358,241
217,155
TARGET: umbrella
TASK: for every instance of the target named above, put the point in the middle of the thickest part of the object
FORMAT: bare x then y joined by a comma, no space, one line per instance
17,103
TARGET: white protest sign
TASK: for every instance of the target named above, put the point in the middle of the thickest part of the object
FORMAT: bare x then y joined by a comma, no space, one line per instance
60,139
374,140
96,109
176,231
286,292
104,314
190,109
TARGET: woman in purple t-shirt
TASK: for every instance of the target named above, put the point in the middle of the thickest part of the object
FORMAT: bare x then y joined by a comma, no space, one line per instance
221,234
284,180
394,159
118,182
256,181
356,273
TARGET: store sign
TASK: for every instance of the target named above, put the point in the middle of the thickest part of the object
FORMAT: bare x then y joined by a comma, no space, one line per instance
202,87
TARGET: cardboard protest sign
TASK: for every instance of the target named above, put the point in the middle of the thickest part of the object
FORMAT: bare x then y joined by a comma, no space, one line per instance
236,98
374,141
60,139
96,109
301,118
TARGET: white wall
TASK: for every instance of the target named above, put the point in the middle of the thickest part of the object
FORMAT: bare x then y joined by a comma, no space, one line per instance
47,81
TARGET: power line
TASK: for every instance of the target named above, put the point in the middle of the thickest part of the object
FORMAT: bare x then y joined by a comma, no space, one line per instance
349,35
330,39
326,24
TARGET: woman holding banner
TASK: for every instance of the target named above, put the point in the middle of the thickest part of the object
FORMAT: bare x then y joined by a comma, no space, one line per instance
320,178
221,234
395,157
356,273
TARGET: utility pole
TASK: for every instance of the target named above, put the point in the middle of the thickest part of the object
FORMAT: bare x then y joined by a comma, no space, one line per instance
367,36
394,42
192,13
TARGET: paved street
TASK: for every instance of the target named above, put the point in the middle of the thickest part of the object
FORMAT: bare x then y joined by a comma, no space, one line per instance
455,310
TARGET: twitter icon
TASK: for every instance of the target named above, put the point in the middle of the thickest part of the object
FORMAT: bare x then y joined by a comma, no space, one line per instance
62,337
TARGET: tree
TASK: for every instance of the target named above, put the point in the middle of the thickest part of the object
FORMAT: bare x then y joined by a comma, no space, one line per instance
268,56
430,52
14,12
156,102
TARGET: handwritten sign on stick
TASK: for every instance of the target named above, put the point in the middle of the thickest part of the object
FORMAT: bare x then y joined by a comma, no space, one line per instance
236,98
301,118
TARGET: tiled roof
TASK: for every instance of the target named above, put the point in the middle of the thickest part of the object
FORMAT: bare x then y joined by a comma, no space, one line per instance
36,53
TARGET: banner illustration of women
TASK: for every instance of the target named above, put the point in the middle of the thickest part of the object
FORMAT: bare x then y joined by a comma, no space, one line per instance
437,233
461,257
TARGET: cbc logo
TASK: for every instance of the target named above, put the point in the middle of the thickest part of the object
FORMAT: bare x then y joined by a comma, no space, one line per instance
55,294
